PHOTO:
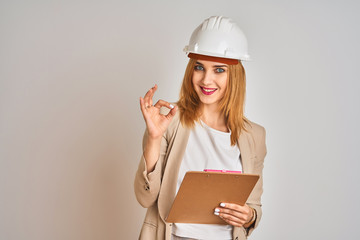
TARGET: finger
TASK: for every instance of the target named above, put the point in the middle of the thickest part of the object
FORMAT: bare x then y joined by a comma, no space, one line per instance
236,218
244,213
149,95
173,109
231,215
233,223
226,211
228,217
150,92
172,112
153,90
161,103
142,106
235,207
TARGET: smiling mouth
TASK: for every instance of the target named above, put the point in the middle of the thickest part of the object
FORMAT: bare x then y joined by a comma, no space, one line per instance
208,91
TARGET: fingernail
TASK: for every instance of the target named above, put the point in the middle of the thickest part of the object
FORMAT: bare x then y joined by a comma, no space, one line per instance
222,204
217,210
172,106
216,213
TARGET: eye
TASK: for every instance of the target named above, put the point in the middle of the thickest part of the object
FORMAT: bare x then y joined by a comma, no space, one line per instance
219,70
199,68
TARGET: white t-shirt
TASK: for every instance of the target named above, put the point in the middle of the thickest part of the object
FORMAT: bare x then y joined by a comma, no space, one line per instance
207,148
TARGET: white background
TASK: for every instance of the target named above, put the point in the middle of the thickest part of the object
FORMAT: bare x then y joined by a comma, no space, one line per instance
72,72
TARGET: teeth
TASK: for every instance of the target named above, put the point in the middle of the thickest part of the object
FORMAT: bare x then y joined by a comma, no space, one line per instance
209,90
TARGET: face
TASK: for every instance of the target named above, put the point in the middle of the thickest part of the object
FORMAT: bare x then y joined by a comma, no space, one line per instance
210,80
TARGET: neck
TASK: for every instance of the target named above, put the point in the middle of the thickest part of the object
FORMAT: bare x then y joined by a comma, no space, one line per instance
212,117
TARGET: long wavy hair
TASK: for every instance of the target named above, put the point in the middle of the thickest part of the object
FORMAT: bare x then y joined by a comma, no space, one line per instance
231,105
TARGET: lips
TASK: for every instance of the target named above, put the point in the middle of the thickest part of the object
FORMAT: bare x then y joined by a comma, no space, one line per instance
208,91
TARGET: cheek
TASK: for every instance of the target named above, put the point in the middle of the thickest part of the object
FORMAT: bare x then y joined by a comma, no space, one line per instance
223,83
195,79
193,83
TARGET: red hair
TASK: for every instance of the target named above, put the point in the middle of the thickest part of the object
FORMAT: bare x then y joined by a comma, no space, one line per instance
231,105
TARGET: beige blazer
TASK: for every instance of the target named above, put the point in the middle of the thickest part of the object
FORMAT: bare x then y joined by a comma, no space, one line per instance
156,190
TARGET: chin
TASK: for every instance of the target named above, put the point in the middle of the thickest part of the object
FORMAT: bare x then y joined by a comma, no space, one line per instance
208,102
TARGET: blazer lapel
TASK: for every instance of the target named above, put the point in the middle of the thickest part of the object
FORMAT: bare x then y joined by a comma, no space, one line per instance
169,181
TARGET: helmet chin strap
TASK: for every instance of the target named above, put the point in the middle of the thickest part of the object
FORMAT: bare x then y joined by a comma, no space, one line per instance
228,61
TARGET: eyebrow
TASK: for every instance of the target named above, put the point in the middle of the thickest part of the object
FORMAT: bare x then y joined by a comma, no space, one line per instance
216,66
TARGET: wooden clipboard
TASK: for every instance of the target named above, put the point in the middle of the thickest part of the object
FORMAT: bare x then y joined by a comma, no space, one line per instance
201,192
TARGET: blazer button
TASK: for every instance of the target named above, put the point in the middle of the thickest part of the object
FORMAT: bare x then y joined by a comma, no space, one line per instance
146,187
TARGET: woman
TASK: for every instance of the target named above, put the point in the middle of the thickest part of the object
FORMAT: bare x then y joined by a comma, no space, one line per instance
206,129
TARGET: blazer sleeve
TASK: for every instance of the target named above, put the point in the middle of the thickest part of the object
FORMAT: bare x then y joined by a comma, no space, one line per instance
147,185
254,200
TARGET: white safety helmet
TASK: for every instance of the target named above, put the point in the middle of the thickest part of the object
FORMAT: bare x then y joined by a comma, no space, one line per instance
220,37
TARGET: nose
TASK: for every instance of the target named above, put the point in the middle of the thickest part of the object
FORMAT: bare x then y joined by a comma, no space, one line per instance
207,78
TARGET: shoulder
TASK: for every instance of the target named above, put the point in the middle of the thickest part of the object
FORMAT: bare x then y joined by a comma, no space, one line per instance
257,133
254,128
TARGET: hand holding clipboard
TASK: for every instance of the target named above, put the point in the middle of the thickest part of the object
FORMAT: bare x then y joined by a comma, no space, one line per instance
200,192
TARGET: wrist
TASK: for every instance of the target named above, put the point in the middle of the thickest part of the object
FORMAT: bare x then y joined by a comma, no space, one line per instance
153,141
252,219
151,153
